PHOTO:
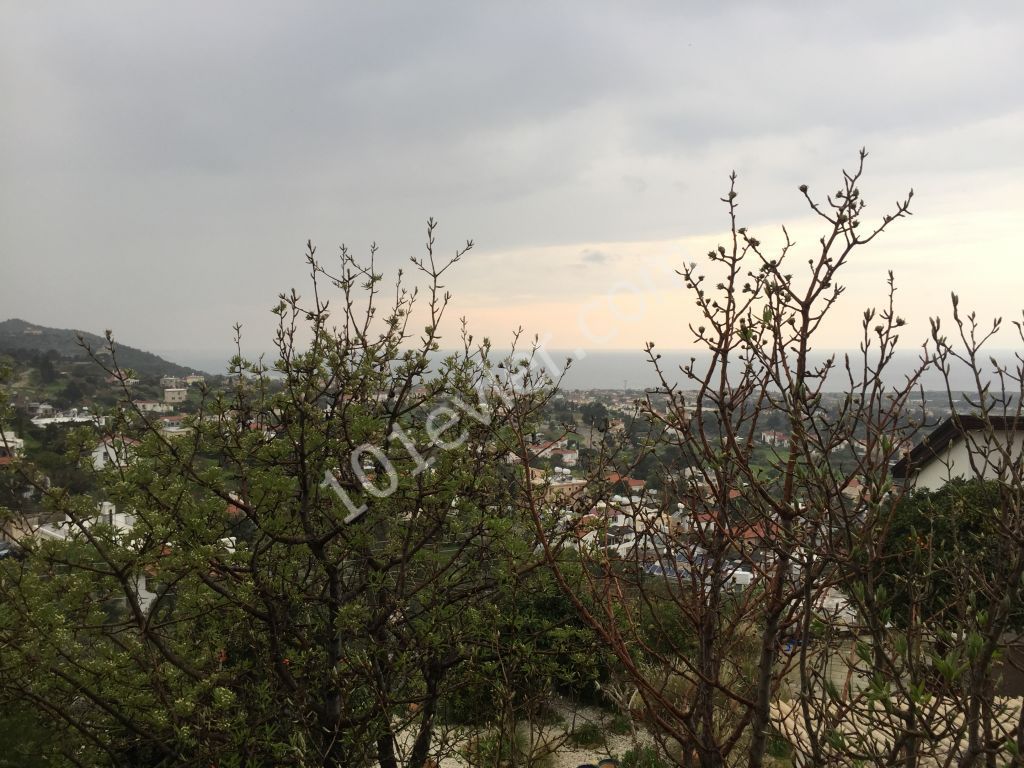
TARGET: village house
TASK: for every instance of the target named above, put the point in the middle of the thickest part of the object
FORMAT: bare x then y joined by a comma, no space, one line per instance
558,485
632,484
113,451
119,380
74,416
569,457
774,438
743,529
153,406
963,447
968,447
108,515
544,449
11,447
173,426
175,395
41,410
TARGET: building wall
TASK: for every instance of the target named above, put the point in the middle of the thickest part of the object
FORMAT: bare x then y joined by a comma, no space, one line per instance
955,460
11,446
116,453
175,395
149,406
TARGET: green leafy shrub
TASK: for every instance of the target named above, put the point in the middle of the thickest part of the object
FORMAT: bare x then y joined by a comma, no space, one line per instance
587,735
619,725
498,749
778,746
642,757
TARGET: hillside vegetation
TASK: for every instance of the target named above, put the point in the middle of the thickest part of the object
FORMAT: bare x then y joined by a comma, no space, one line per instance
18,335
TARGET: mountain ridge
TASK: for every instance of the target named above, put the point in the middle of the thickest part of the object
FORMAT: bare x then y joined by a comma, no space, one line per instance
20,335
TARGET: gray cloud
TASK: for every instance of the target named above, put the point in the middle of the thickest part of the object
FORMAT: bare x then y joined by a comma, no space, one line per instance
595,257
178,155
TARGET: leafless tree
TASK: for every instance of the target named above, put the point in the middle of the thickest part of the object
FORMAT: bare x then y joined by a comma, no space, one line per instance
751,604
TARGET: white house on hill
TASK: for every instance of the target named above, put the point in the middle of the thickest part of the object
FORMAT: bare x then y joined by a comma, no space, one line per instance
122,524
11,447
963,447
116,451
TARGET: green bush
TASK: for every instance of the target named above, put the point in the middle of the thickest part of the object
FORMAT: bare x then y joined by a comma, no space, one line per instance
497,749
642,757
778,745
619,725
587,735
470,700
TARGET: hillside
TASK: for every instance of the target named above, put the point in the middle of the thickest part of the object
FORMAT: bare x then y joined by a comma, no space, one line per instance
19,335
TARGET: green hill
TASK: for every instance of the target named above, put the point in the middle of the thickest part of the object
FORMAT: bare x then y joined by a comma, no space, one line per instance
18,335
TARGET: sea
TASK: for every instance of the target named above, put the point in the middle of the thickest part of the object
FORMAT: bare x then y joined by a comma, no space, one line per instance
632,370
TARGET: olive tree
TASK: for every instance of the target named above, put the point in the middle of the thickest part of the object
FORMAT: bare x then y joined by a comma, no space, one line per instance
315,562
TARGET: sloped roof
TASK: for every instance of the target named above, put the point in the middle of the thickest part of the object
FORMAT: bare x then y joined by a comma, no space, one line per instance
938,439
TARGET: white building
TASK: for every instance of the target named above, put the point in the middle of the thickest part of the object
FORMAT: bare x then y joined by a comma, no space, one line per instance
122,523
74,416
113,451
963,447
774,438
153,406
11,447
174,426
570,456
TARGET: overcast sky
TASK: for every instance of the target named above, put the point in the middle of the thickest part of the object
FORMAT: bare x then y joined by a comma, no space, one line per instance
163,164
